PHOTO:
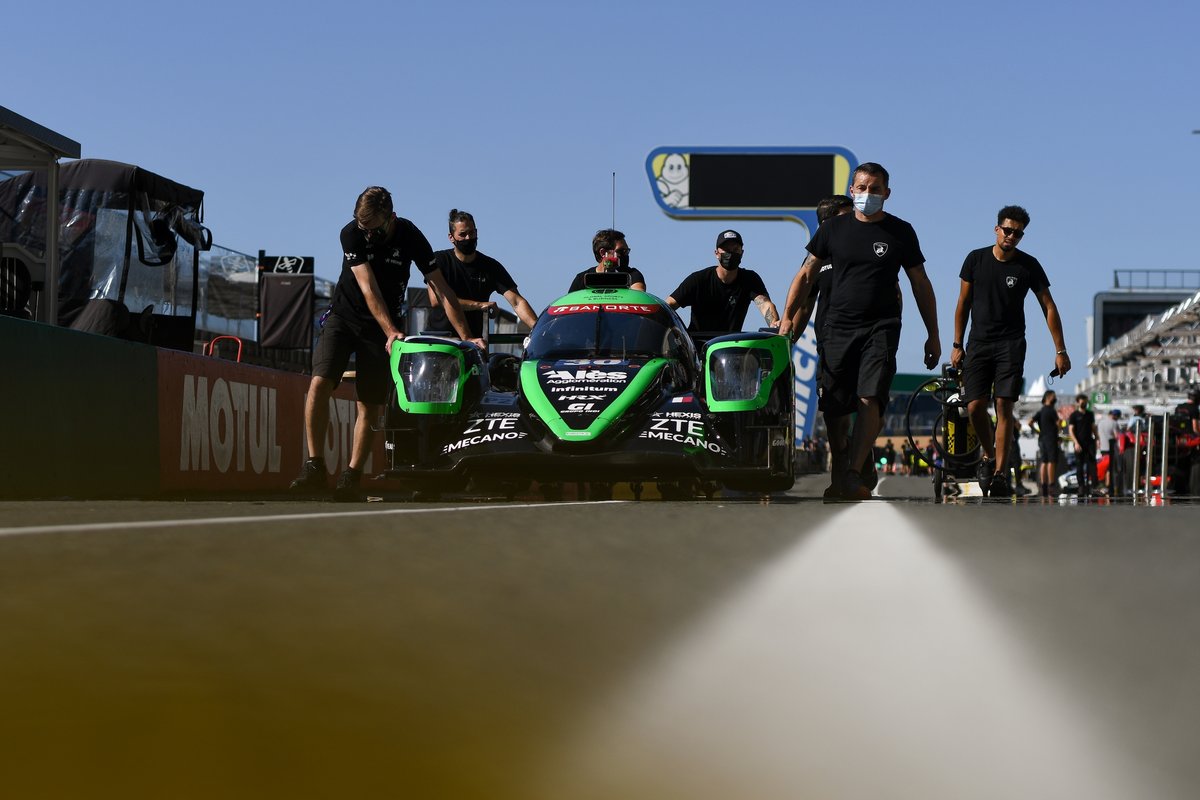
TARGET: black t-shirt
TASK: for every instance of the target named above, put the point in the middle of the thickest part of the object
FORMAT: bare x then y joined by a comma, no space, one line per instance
474,281
998,290
635,276
1047,422
821,292
867,258
718,306
390,261
1083,423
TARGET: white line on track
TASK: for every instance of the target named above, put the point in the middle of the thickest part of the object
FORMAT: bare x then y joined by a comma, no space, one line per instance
862,663
199,521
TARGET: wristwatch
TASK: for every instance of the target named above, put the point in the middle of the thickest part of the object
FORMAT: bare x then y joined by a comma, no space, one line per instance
1061,353
957,345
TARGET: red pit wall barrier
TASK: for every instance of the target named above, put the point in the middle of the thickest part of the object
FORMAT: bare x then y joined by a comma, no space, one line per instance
232,427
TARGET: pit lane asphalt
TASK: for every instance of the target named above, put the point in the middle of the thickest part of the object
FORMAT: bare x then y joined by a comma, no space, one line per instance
709,649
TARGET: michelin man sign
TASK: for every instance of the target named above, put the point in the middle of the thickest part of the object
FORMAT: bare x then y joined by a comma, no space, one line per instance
783,183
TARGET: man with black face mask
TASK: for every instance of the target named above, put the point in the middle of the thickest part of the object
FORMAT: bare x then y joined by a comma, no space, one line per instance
473,276
720,296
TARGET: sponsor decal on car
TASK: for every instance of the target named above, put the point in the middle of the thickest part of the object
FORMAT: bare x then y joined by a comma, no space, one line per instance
580,375
493,428
687,432
591,308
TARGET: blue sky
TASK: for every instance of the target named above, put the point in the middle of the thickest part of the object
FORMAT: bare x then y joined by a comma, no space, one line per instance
520,113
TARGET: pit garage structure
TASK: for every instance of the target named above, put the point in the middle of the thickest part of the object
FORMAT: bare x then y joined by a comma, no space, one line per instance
1156,361
26,145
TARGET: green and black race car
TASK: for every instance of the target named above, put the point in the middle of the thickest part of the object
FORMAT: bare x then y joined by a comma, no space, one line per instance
610,388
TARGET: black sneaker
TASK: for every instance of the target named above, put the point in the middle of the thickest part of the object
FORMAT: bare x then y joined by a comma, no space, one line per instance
852,487
984,472
348,490
1000,486
311,479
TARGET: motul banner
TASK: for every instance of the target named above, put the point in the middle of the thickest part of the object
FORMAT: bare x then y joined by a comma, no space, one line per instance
234,427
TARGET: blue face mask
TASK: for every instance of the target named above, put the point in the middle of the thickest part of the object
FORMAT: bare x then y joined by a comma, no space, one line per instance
868,204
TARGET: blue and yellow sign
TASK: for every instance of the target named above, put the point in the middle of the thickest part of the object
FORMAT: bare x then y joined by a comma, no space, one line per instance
748,182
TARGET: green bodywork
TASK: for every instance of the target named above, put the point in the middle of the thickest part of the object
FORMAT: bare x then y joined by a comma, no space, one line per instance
400,349
532,389
608,297
780,350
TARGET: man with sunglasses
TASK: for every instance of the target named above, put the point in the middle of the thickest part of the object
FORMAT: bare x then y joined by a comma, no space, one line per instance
612,255
993,283
367,317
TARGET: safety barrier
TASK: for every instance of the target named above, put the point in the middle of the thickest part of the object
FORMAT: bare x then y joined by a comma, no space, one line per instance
1163,457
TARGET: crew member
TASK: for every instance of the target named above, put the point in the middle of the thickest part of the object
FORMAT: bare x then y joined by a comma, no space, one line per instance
1045,424
719,296
1082,427
993,283
378,249
612,255
473,276
862,330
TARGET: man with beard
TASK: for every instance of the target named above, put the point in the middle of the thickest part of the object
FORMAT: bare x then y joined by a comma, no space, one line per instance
993,284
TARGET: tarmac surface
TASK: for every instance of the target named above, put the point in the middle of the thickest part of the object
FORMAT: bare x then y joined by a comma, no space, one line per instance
728,648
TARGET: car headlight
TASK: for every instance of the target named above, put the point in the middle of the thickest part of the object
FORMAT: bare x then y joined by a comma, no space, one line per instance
736,374
431,376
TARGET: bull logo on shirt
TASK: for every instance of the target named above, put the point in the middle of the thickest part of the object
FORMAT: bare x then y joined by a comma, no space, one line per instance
880,248
1011,280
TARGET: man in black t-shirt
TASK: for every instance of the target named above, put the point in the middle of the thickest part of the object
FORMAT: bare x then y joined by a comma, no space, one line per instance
1082,427
861,331
1045,424
378,250
993,283
612,255
473,276
837,425
720,296
832,206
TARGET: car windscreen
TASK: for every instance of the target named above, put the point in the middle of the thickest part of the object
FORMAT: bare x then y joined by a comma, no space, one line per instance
616,331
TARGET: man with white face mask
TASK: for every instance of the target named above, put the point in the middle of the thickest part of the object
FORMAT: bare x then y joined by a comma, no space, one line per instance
862,325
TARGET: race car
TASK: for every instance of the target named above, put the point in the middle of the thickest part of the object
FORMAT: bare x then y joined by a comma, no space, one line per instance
610,388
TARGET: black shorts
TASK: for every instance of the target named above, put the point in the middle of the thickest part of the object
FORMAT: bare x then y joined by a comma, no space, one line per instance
339,339
994,364
1048,450
856,363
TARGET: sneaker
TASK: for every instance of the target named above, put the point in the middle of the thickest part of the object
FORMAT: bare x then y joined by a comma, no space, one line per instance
984,472
348,490
311,479
852,487
869,475
1000,486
